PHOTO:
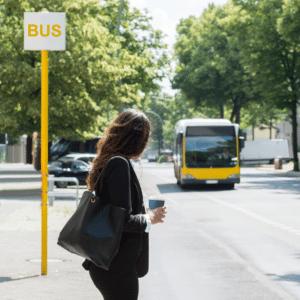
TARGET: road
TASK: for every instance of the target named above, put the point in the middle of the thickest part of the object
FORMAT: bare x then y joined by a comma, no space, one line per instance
223,244
214,244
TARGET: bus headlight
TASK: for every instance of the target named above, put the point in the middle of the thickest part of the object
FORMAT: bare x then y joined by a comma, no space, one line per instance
188,177
234,176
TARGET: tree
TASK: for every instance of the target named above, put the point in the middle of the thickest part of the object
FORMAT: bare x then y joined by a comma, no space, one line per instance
180,108
269,31
170,110
209,70
263,115
82,79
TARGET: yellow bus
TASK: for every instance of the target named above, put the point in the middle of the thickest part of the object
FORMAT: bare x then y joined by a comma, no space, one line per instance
207,152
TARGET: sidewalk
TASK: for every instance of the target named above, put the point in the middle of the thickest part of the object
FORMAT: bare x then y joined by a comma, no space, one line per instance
287,170
20,240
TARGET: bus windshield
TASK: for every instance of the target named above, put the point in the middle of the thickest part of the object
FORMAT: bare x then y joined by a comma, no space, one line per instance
210,147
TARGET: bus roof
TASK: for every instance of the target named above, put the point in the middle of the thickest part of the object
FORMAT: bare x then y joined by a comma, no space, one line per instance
181,125
202,122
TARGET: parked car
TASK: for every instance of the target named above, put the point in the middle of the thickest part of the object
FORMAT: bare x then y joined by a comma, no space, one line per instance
62,147
86,157
69,168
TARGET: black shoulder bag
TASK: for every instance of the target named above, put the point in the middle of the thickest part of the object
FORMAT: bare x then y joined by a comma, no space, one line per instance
94,230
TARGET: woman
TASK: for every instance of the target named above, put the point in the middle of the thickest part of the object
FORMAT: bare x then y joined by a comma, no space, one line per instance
126,138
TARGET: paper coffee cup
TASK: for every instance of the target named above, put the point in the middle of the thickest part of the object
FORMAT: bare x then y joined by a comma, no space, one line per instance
155,202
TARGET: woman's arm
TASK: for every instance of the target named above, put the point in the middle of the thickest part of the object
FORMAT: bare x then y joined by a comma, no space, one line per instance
120,193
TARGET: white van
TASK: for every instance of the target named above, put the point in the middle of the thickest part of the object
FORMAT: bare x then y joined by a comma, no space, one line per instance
265,150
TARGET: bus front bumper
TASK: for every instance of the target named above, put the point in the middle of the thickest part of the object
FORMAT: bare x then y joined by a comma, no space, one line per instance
211,181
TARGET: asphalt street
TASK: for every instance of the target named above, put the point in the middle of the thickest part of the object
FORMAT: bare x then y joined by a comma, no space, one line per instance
224,244
214,244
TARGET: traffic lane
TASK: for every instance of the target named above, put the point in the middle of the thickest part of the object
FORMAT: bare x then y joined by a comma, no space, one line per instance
199,263
188,263
262,228
271,196
272,250
279,209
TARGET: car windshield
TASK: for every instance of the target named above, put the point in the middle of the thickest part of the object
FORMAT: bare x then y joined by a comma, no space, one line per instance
59,146
79,165
56,164
87,159
211,150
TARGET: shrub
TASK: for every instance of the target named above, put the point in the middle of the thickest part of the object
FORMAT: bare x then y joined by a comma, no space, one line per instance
162,158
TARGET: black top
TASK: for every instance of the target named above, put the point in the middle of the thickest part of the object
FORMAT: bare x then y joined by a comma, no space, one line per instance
119,185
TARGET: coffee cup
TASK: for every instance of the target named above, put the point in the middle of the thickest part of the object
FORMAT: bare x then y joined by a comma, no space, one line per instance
155,202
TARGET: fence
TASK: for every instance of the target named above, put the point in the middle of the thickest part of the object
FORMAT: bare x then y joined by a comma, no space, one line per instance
17,153
52,194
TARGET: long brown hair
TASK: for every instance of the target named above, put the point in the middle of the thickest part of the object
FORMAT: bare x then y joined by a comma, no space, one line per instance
127,136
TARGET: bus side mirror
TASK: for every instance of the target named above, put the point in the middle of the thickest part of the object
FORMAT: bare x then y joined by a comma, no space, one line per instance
241,142
179,138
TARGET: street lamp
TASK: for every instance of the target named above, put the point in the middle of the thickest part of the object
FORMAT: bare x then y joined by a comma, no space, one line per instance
118,51
162,123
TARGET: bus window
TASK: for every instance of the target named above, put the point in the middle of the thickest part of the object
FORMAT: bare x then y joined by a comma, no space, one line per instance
207,147
178,149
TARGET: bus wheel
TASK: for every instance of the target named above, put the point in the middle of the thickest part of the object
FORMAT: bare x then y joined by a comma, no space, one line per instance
230,186
183,186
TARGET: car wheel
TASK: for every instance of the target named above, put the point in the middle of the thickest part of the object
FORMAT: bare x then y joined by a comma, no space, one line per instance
61,184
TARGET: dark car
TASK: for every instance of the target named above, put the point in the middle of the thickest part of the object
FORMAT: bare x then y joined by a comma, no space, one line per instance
62,147
152,158
69,168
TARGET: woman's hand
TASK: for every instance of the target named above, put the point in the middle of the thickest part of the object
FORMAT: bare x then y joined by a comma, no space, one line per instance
157,214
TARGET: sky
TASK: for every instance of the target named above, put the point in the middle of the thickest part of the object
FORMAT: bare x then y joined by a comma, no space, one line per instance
166,15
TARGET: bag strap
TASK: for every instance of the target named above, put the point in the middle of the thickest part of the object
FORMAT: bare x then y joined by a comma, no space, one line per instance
130,166
96,182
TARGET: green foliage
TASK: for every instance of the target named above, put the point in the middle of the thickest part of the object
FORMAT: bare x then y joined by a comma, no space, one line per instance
162,158
270,48
84,78
170,110
244,58
209,71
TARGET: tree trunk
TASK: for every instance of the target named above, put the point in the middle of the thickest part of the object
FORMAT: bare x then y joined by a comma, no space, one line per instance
221,112
294,133
253,132
238,114
271,125
29,150
233,112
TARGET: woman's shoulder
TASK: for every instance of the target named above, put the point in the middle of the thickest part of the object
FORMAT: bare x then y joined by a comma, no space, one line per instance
117,160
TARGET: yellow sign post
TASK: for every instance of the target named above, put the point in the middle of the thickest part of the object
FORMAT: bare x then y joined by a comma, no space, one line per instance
44,31
44,158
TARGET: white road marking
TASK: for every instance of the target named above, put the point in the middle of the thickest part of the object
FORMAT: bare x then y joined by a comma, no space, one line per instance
24,176
254,215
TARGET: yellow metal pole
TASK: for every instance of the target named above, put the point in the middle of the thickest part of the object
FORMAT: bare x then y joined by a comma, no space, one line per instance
44,158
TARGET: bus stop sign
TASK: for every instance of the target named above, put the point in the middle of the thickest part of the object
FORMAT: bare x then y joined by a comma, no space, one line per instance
44,31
